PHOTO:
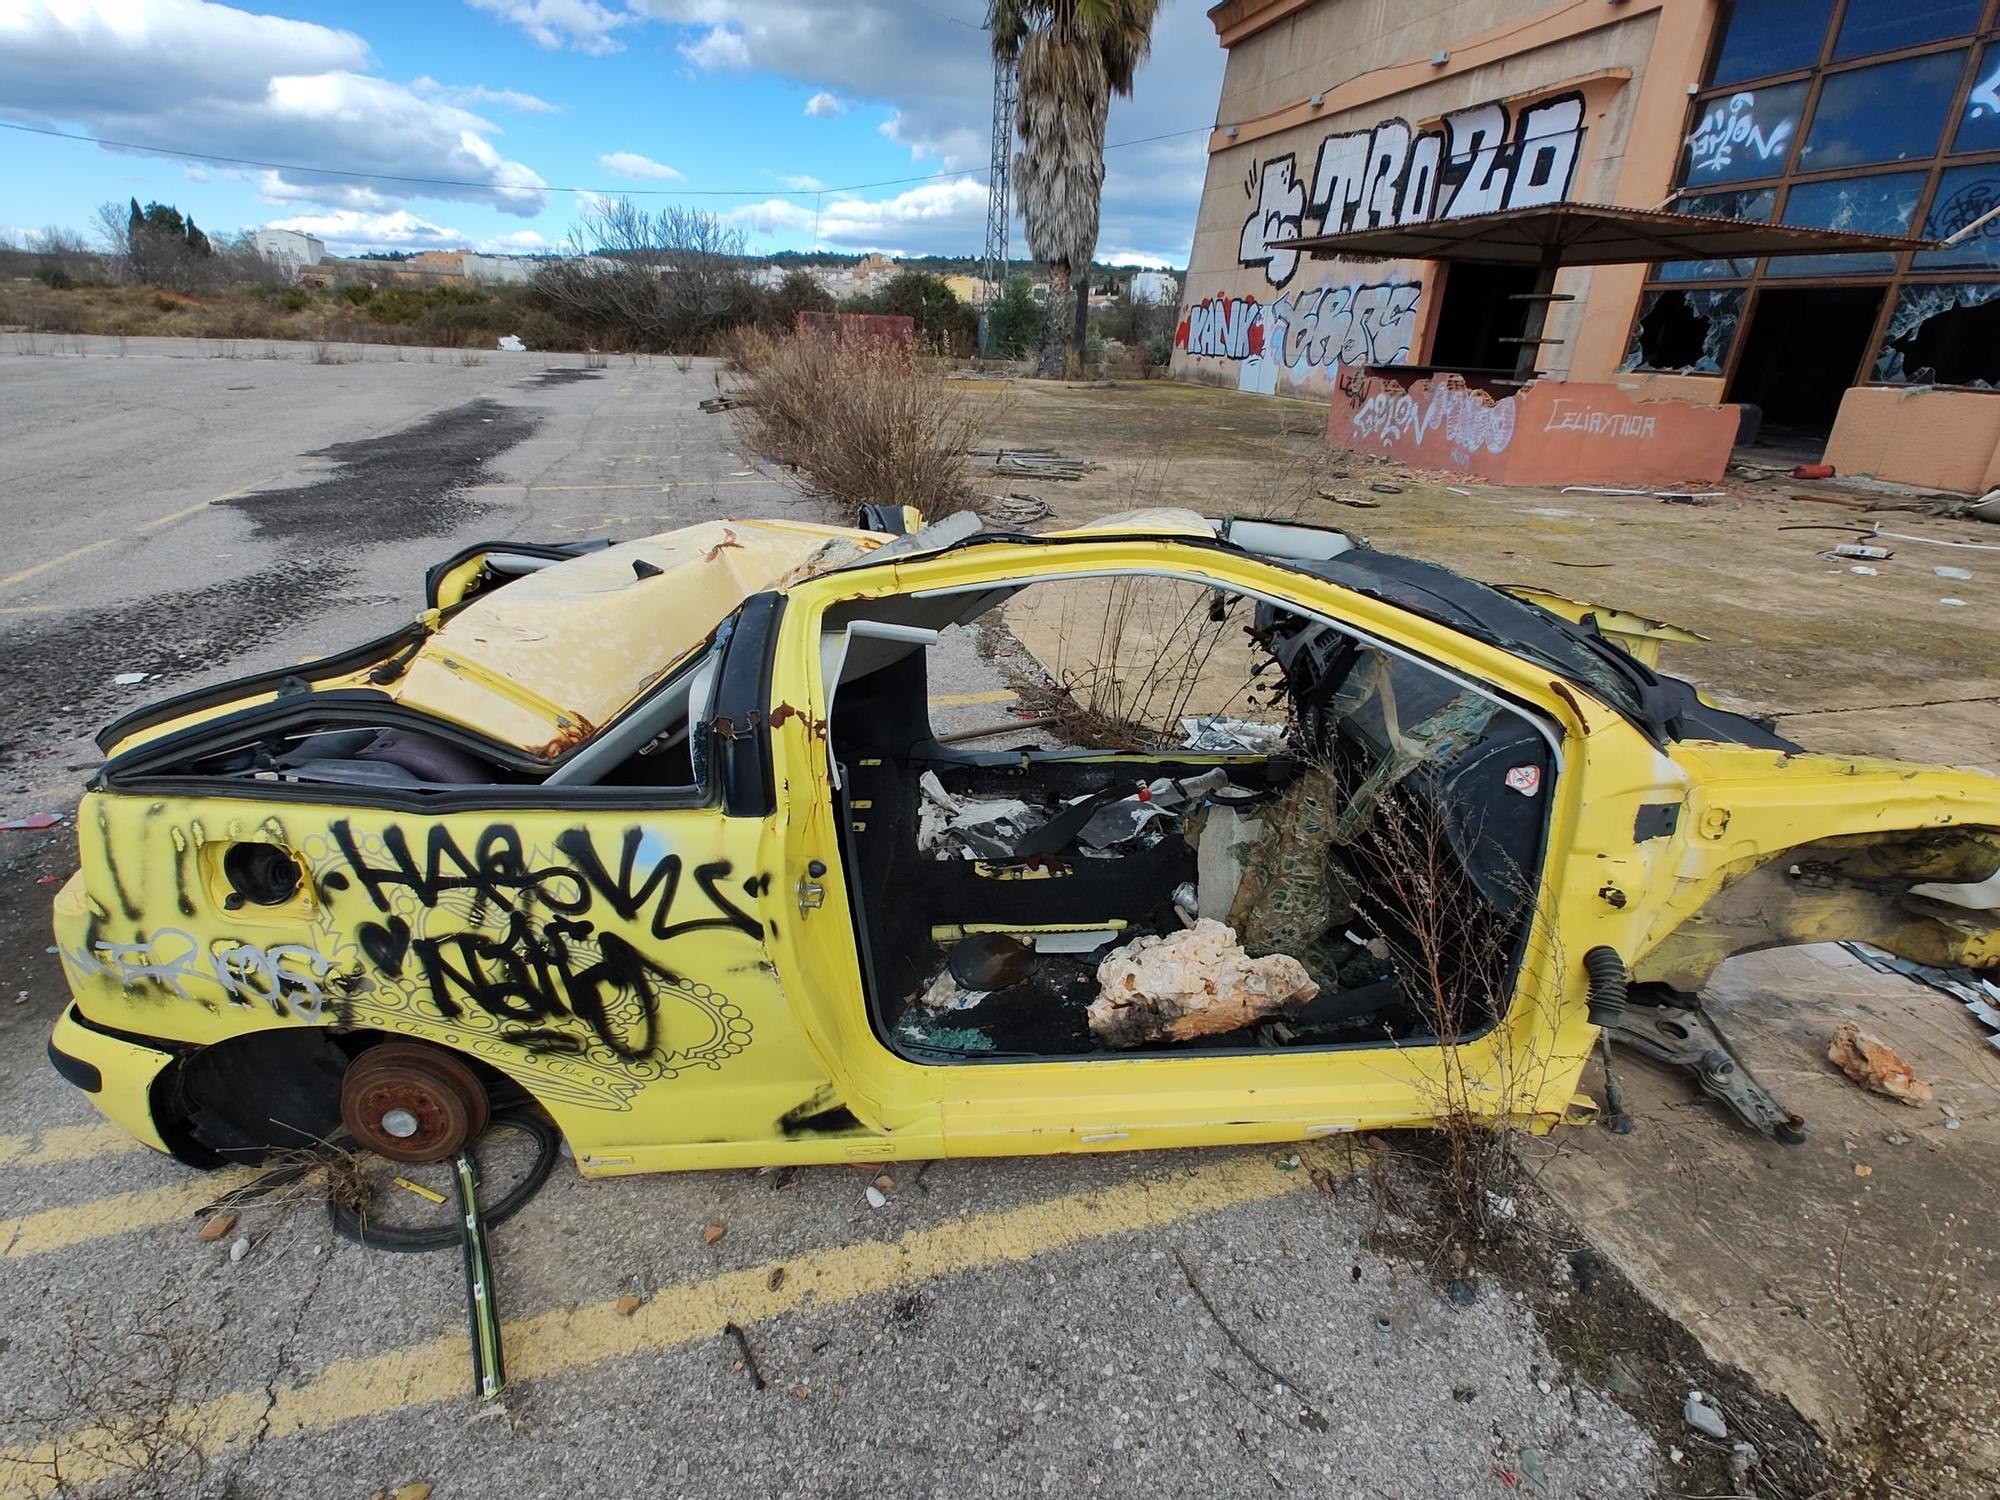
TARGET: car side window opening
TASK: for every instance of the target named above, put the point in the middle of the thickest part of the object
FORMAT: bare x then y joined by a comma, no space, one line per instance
1194,758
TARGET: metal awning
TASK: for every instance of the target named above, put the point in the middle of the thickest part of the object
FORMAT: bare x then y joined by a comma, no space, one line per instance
1588,234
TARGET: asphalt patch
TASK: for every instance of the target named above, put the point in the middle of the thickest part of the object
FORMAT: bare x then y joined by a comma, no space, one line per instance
565,375
395,488
56,670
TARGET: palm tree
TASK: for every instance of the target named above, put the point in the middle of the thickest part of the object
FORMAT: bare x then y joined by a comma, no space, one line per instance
1074,55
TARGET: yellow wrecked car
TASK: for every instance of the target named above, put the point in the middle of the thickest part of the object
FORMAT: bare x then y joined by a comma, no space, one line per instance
664,838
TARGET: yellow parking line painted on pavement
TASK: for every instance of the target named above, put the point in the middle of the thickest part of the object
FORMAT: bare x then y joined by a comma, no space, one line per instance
662,486
121,1213
572,1338
144,528
954,700
65,1143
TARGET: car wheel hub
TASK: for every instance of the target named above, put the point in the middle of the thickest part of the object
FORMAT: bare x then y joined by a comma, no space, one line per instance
408,1102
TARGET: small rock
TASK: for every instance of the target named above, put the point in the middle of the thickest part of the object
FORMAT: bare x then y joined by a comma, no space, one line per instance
239,1249
628,1304
1543,1386
1675,1456
1742,1459
713,1233
133,679
885,1182
216,1228
1461,1291
801,1391
876,1197
1704,1418
1862,1169
1896,1138
421,1490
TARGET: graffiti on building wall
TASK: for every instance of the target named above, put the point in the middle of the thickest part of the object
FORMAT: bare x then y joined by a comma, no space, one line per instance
1581,417
1464,421
1733,128
1479,161
1301,338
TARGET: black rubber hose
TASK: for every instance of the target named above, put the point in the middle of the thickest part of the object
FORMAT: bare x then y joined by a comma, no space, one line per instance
350,1224
1608,983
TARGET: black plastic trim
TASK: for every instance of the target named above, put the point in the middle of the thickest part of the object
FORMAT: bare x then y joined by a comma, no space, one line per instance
75,1070
742,732
338,665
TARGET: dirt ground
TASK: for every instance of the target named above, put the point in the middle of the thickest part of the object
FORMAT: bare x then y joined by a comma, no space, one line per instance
1847,662
1728,1232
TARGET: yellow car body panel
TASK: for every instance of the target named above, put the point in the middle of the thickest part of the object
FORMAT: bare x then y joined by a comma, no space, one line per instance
680,987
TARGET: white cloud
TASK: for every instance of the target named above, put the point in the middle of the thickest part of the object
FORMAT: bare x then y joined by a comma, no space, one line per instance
936,216
823,106
583,25
189,74
1119,255
348,231
465,95
803,182
639,168
520,242
718,50
196,174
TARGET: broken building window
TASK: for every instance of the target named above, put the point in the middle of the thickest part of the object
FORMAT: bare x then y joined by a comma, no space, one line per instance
1943,335
1889,25
1893,111
1963,195
1979,124
1689,331
1771,36
1882,204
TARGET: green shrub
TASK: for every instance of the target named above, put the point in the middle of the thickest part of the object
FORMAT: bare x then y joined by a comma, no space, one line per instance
356,292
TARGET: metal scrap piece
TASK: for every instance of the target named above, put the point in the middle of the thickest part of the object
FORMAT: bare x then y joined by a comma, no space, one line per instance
1687,1039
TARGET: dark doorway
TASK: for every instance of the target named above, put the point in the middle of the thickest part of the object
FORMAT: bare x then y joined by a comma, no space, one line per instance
1479,312
1802,349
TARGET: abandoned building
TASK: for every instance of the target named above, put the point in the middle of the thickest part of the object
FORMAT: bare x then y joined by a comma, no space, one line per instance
1879,117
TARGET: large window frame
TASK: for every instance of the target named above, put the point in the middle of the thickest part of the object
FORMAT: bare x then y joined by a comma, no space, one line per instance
1982,48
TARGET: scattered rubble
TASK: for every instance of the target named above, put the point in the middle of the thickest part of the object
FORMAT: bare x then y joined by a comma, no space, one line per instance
1704,1418
1873,1063
1198,982
1979,995
1034,463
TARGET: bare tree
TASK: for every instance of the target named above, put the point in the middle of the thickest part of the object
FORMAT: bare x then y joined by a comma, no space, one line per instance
112,221
662,280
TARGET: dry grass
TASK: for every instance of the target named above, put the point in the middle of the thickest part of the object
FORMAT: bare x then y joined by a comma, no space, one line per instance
1922,1345
860,421
118,1418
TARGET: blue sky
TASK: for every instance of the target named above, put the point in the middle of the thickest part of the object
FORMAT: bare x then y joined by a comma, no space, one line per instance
768,111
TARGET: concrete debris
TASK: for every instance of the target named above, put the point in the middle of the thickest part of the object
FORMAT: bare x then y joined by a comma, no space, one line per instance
1704,1418
1874,1064
1950,603
1960,574
1865,571
509,343
130,679
1861,549
1194,983
216,1228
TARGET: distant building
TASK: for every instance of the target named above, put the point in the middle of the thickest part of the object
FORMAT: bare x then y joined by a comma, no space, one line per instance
290,248
500,270
1155,287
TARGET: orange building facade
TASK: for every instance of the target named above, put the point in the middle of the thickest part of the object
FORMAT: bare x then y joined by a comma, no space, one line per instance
1878,115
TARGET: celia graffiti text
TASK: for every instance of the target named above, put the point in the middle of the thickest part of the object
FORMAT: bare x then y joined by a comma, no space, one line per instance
1480,161
1299,340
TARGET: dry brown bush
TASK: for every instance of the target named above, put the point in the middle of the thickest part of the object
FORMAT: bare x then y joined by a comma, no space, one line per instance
1921,1341
860,420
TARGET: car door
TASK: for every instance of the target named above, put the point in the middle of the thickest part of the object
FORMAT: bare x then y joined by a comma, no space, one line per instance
1110,1101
